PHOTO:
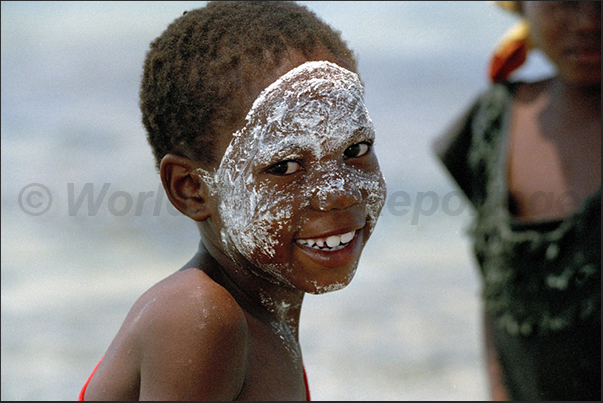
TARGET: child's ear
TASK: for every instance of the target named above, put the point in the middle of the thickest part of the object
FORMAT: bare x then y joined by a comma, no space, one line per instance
185,189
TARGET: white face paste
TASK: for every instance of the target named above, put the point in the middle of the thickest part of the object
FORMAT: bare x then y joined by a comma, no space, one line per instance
312,112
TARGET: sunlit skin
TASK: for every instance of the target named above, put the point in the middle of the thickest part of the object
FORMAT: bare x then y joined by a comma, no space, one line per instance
226,326
302,169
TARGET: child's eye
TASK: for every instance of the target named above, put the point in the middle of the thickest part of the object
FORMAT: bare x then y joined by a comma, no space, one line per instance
284,167
357,150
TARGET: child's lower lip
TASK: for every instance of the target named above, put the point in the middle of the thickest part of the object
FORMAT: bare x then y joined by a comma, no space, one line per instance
335,258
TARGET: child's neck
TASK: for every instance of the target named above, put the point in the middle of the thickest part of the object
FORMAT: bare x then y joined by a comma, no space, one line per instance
583,102
273,304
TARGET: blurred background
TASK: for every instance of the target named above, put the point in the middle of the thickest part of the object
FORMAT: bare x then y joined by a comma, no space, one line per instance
86,227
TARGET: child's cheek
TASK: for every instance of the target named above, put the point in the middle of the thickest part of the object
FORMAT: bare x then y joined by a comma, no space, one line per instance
372,187
268,223
374,191
255,217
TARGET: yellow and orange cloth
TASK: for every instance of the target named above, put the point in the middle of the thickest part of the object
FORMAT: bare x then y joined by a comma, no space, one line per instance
512,50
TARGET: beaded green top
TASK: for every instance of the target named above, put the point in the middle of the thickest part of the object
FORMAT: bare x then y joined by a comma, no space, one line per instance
537,277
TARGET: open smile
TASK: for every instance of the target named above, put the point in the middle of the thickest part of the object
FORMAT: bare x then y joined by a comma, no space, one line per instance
333,251
330,243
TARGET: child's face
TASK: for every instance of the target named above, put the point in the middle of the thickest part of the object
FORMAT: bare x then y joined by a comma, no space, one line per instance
569,33
299,186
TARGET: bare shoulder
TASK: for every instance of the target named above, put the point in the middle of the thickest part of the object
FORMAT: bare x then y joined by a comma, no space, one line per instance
193,339
187,297
184,339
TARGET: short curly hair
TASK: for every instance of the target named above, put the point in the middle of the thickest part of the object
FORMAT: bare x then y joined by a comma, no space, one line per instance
197,71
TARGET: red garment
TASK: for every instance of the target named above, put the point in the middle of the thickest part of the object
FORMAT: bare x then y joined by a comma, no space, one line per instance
83,391
306,383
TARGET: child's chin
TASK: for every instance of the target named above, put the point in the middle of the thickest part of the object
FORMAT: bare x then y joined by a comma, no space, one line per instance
335,285
328,288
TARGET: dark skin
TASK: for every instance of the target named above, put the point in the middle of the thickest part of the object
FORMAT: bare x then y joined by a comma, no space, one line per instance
555,138
556,130
206,331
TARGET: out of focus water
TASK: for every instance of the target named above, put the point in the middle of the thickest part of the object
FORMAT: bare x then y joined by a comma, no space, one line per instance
407,328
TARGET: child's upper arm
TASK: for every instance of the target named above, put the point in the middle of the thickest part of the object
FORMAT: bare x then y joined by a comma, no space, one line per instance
193,343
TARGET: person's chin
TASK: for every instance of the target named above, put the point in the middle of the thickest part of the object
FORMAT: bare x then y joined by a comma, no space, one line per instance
332,284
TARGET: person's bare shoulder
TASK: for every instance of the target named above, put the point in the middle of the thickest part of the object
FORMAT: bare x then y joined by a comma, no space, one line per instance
193,340
184,339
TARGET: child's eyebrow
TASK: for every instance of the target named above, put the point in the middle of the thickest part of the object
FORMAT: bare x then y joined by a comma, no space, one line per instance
364,132
295,146
287,148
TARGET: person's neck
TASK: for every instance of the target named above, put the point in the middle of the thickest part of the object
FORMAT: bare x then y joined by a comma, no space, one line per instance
576,100
274,304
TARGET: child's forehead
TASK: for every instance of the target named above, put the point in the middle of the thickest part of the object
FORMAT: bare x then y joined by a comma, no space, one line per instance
317,115
316,97
314,107
309,80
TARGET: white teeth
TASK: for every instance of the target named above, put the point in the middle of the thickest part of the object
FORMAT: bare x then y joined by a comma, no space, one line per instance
334,242
345,238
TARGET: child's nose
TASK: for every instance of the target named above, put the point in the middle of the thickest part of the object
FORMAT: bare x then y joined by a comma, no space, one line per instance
335,191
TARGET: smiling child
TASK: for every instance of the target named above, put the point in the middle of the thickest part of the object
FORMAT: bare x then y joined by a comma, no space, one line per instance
258,124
